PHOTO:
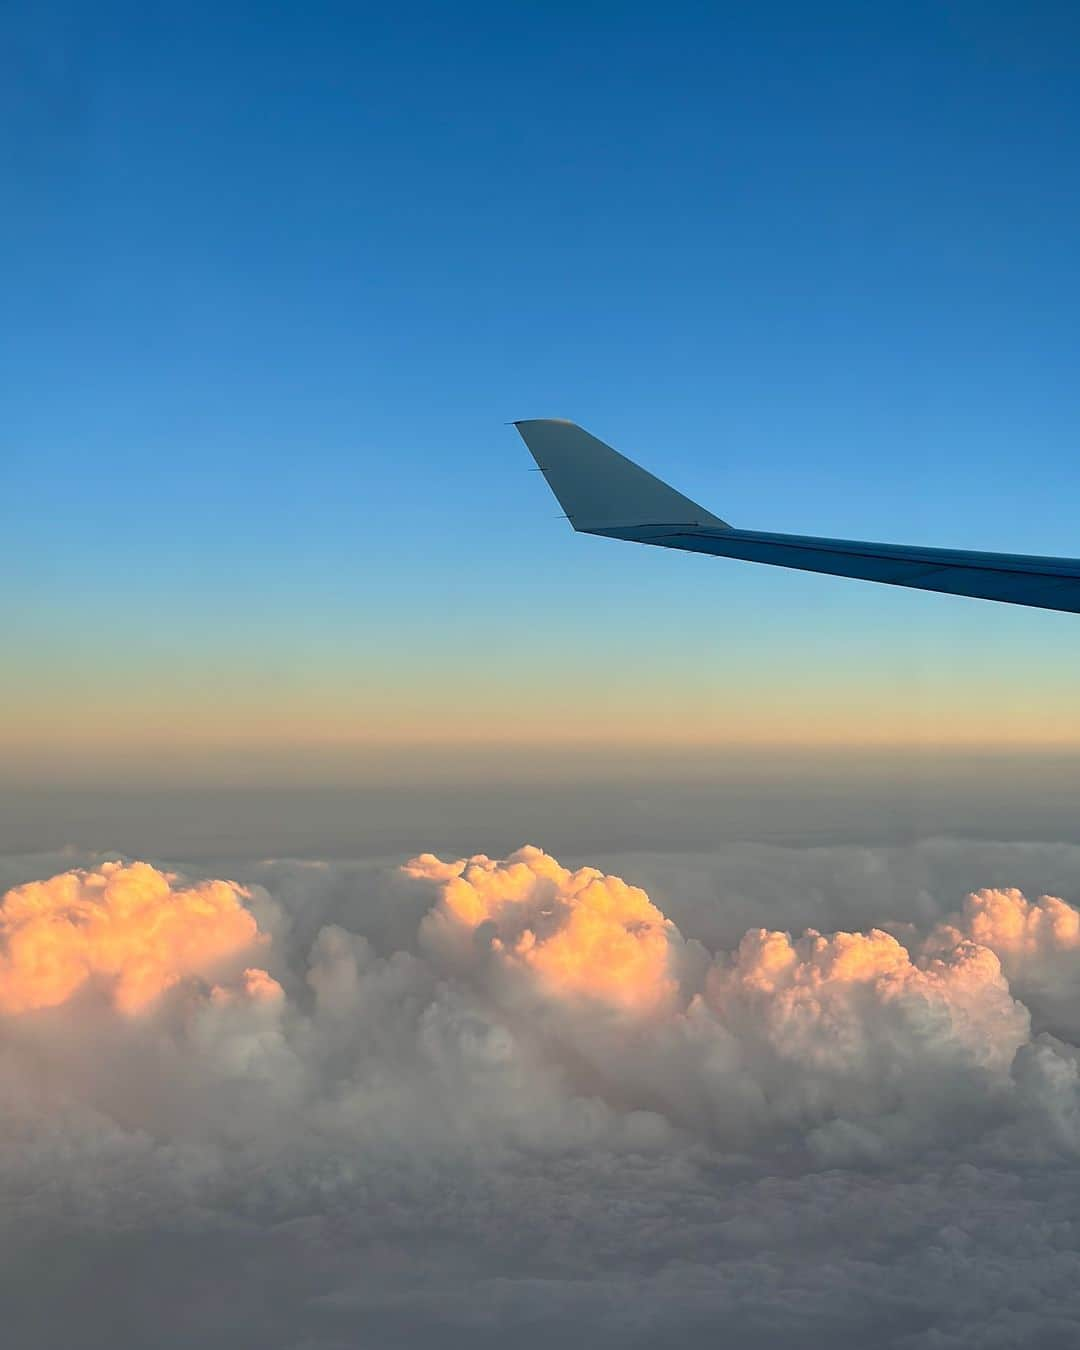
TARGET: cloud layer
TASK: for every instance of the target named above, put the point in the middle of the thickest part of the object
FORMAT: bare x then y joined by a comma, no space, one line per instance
490,1096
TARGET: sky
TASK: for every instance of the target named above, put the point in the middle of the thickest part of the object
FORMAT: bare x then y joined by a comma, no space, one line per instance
422,925
278,277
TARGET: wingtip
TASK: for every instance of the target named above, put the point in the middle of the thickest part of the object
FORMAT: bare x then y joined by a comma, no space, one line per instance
600,489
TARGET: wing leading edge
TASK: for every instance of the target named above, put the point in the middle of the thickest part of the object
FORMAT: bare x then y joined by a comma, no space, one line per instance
603,492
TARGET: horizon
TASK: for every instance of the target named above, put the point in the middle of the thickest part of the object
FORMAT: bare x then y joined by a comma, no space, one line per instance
259,492
422,924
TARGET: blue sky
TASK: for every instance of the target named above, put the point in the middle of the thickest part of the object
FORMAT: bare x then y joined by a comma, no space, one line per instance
280,274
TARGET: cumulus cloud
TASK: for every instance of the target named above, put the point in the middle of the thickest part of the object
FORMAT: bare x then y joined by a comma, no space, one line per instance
577,935
329,1107
128,929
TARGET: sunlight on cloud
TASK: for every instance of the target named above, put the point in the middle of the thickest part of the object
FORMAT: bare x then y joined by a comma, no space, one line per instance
268,1070
576,974
127,929
579,934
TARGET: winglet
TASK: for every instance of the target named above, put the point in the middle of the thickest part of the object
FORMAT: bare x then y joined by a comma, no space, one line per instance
601,490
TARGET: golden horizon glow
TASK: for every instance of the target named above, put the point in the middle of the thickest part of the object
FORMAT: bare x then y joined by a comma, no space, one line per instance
199,710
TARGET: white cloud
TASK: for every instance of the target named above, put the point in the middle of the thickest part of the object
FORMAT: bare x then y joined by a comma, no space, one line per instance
323,1105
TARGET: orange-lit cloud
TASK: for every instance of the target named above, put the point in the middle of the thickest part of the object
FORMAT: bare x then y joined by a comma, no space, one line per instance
1016,928
548,1044
579,934
858,1005
126,928
785,1031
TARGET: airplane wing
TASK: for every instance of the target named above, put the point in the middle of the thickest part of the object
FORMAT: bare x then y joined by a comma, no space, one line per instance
603,492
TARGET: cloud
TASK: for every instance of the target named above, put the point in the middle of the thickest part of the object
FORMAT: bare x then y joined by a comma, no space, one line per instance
126,928
579,935
325,1105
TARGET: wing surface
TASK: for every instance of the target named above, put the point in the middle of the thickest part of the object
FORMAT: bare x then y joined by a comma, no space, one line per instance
604,493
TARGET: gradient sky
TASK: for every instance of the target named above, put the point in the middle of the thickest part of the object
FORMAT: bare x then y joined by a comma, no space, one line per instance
278,275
